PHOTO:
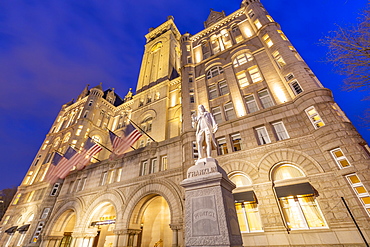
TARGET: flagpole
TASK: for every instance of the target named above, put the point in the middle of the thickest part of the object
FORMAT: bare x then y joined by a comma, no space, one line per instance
119,137
101,145
141,130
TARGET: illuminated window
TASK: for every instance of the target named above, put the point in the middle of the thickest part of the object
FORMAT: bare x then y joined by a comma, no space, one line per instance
164,164
215,44
28,177
251,103
258,24
221,146
226,38
214,71
314,117
280,131
216,111
111,176
242,79
267,40
229,111
218,89
340,158
339,112
265,98
287,171
270,18
45,144
119,174
282,35
237,34
360,190
224,89
104,178
213,91
296,88
242,59
30,196
255,74
73,143
6,220
262,135
236,142
78,131
206,49
295,53
17,198
278,59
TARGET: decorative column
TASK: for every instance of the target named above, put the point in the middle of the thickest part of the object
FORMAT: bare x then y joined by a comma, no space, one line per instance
77,239
176,235
210,215
121,238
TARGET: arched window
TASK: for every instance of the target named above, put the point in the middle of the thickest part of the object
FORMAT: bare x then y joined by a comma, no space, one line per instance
146,124
242,59
214,71
297,201
236,33
245,203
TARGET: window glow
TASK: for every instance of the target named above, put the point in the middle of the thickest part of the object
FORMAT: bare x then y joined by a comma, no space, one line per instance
239,107
280,94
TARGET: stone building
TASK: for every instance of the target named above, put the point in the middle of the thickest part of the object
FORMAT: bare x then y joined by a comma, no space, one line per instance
292,153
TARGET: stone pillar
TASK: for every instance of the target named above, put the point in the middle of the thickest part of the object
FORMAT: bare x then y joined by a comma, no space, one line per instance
176,234
78,239
121,238
135,233
210,215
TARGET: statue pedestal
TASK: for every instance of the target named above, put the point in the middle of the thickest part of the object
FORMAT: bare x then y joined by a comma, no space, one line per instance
210,216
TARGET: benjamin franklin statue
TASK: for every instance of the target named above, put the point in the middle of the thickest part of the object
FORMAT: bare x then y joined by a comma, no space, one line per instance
206,127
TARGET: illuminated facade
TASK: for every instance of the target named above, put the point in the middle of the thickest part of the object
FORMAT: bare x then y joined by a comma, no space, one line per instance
282,139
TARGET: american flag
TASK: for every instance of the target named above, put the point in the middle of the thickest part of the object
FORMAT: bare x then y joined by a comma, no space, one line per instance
60,165
90,149
121,144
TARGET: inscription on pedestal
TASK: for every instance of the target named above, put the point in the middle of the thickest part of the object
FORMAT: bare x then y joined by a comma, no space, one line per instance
204,216
200,172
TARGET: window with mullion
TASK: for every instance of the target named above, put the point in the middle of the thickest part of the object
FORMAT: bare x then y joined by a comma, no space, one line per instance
265,98
262,135
229,111
221,145
251,103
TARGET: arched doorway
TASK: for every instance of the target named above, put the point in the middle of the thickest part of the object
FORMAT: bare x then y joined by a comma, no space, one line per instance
104,220
155,222
64,228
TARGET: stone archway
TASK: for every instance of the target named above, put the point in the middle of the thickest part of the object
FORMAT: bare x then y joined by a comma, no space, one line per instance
63,228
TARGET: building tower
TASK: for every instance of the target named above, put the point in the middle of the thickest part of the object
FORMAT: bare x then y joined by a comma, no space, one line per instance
282,139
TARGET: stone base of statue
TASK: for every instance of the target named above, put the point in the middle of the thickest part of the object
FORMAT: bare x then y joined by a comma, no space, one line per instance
210,216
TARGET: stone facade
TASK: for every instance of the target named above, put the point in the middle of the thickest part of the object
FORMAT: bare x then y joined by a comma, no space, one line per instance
283,141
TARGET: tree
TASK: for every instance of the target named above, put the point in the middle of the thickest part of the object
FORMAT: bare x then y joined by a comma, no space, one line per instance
349,51
6,196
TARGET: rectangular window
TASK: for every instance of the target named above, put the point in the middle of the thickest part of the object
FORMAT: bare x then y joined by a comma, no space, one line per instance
103,178
282,35
55,189
258,24
37,233
78,131
195,150
250,13
267,40
360,190
144,168
45,213
229,111
262,135
153,166
83,183
251,103
17,198
289,77
224,89
270,18
340,158
278,59
265,98
296,88
255,74
119,174
164,164
280,131
242,79
248,216
302,212
6,220
213,92
216,111
111,176
236,142
221,145
314,117
30,196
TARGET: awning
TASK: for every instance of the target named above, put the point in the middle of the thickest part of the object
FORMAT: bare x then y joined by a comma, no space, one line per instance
246,196
23,228
295,189
11,229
